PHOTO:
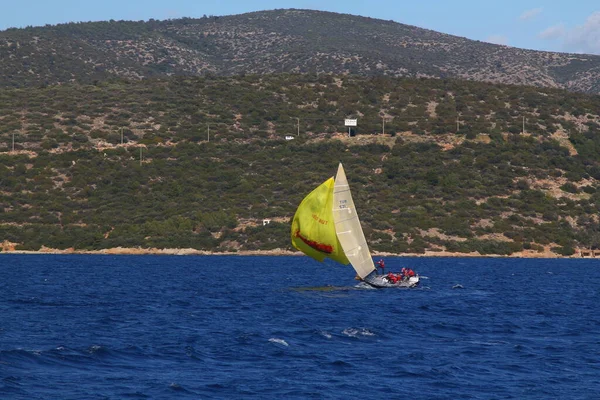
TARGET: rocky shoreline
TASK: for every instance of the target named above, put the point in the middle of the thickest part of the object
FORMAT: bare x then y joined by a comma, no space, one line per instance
274,252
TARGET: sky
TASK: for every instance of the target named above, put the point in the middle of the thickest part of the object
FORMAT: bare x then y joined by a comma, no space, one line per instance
564,26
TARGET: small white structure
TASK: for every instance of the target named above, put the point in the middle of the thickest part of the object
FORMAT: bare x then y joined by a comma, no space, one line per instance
289,137
350,123
266,222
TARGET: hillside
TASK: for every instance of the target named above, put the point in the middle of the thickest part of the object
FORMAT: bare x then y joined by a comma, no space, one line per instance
200,162
292,41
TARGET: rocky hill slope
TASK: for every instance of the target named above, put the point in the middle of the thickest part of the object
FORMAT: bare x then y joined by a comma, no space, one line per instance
293,41
436,165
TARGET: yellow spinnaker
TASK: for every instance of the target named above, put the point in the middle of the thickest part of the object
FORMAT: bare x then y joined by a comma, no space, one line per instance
313,228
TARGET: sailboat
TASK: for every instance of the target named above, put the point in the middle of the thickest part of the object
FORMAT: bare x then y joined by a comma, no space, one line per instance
326,225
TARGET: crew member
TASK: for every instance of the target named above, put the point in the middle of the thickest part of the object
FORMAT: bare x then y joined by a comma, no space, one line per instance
391,277
381,265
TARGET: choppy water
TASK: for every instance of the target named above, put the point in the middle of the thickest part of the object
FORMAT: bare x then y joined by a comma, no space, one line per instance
113,327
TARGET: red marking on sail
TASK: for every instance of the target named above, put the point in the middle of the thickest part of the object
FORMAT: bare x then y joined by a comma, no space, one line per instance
322,247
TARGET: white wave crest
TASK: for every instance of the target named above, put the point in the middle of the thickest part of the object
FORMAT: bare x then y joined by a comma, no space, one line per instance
354,332
279,341
325,334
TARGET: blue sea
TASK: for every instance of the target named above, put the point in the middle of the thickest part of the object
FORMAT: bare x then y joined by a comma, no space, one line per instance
249,327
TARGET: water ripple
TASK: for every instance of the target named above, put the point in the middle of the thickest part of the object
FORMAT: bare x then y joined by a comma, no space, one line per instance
103,327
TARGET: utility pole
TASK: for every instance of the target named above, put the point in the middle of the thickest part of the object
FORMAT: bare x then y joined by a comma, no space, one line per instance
383,125
297,125
523,124
208,132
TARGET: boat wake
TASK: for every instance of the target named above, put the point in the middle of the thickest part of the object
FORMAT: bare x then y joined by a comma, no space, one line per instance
364,285
321,288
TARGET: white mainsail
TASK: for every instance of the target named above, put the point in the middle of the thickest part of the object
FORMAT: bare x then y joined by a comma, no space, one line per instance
347,227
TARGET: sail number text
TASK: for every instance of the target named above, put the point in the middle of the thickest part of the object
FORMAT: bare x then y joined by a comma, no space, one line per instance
320,220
